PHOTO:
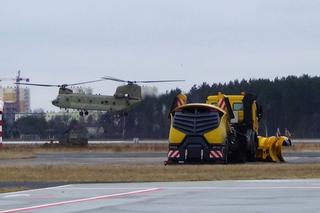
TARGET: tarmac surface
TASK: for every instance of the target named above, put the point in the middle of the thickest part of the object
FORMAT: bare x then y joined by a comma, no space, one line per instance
7,142
127,158
213,196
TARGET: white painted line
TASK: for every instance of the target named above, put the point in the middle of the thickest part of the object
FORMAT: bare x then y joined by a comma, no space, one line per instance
80,200
17,195
243,188
277,180
104,188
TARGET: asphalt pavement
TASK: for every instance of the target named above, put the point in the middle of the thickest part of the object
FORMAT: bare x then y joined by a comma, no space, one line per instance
213,196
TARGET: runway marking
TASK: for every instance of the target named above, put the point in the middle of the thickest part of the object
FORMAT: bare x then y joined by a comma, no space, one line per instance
17,195
243,188
276,181
80,200
210,188
34,190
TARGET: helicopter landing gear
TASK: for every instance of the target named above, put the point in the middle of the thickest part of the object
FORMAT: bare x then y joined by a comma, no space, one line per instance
81,113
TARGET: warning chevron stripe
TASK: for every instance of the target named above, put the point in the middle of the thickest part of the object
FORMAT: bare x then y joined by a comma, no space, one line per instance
216,154
173,154
222,104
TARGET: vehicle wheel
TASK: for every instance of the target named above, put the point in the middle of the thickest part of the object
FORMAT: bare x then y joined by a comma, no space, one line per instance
241,157
252,147
240,154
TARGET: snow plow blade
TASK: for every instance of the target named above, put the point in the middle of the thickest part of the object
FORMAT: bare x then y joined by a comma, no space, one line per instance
270,148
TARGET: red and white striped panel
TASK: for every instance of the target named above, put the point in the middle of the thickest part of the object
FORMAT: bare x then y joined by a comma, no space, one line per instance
173,154
222,104
1,122
215,154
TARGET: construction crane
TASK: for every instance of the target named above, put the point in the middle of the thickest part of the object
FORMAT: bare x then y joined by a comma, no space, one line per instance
17,80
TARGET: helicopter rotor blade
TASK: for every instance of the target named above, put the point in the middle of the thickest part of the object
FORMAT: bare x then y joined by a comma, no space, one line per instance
84,82
39,85
114,79
135,82
59,85
160,81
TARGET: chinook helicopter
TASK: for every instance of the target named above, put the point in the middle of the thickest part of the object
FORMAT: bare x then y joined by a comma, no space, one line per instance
125,97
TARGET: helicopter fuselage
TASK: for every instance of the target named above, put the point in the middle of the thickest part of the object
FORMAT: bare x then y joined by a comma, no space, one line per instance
85,102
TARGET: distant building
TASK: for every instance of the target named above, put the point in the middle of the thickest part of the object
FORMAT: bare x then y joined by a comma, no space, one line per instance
73,115
49,115
70,115
9,97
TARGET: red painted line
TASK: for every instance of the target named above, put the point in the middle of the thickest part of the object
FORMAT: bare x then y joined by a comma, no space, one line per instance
80,200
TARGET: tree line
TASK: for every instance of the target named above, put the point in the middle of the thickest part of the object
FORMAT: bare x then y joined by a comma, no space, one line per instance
289,102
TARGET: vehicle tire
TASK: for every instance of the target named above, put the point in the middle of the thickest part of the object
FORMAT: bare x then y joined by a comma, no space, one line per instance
252,145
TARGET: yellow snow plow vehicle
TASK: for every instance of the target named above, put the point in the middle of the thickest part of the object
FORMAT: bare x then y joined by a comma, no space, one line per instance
224,129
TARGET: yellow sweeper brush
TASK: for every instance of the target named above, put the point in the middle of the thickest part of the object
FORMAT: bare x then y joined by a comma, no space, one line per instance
270,148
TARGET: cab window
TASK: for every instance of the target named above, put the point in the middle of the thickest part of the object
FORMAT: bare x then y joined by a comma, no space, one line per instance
238,106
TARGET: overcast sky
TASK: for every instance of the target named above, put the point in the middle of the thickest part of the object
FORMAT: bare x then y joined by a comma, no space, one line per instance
63,41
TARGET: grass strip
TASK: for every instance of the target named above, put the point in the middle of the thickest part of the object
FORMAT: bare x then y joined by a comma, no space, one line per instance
11,155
